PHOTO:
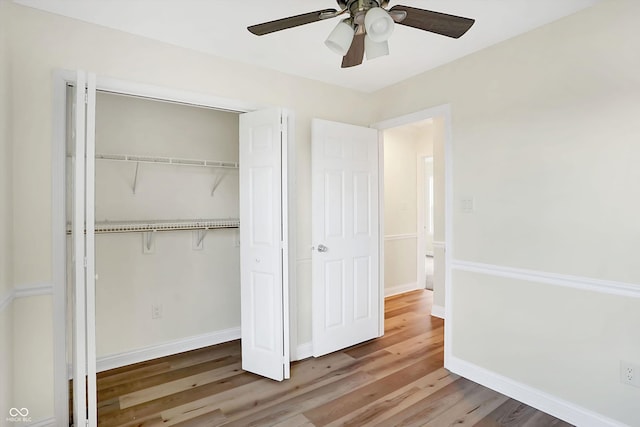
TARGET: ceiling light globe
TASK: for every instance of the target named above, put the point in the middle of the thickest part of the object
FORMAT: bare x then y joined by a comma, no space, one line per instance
378,24
375,50
339,41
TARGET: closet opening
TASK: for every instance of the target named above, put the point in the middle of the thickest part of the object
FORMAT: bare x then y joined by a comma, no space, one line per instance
154,205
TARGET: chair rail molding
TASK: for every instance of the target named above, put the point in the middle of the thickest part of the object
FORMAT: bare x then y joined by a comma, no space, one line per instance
575,282
389,237
32,290
24,291
6,300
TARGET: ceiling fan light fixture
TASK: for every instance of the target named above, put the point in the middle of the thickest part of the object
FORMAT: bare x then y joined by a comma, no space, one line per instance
378,24
375,50
340,38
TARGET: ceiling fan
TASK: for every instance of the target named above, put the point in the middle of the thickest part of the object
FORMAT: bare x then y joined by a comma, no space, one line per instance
368,26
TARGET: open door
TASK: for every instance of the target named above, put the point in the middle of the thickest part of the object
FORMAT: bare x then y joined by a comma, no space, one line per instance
83,250
263,244
345,227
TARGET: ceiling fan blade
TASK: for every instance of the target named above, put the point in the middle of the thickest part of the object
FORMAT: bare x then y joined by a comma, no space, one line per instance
435,22
355,54
290,22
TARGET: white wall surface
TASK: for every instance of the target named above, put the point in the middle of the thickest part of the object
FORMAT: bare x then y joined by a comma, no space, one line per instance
545,140
43,42
197,290
6,217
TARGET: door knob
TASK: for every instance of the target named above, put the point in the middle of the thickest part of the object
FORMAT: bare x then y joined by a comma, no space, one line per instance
322,248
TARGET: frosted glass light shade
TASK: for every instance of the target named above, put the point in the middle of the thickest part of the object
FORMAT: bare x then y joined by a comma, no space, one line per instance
375,50
379,24
339,41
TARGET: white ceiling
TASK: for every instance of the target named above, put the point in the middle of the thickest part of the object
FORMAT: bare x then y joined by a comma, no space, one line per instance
218,27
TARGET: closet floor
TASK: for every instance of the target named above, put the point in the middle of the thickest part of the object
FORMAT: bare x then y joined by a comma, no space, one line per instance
395,380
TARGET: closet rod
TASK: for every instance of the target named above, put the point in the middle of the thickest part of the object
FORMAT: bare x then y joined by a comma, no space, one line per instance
167,161
176,225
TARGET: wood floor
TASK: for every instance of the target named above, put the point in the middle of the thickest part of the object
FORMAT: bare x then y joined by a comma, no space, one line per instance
396,380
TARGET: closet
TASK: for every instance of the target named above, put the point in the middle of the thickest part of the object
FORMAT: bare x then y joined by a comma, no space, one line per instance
177,229
167,215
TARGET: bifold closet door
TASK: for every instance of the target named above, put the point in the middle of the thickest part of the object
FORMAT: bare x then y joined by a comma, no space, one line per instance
263,244
83,250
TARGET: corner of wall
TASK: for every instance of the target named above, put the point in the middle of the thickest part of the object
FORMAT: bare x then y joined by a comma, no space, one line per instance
6,219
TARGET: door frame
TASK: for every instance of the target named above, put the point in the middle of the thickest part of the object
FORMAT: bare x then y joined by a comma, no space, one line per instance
444,112
421,211
58,204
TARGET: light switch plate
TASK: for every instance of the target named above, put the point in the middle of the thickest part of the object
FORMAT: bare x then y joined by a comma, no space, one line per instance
467,205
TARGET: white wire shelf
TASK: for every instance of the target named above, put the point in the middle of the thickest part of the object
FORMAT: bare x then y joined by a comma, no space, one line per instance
167,161
162,225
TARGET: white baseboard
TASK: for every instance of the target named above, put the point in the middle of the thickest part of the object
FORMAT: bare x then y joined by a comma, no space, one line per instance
304,351
559,408
400,289
165,349
437,311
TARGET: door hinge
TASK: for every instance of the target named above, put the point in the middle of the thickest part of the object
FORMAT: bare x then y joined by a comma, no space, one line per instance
86,97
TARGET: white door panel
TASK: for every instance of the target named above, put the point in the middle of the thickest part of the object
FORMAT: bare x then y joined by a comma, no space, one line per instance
83,238
346,286
263,276
78,250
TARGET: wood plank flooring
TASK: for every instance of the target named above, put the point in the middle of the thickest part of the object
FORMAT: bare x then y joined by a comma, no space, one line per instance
396,380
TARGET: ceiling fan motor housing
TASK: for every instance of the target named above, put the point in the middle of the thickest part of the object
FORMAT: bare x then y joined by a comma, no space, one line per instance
361,4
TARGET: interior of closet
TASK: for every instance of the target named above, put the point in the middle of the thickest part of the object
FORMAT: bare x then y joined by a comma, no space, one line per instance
167,239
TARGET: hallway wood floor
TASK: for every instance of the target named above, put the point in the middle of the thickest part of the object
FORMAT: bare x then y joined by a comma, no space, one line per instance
396,380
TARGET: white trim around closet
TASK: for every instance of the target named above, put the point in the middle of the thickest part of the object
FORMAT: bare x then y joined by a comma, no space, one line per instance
58,155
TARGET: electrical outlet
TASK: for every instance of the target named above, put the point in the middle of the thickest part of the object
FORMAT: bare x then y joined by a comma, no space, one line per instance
156,311
629,373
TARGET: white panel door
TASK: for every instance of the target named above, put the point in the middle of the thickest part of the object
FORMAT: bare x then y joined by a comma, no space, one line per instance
264,291
345,228
83,247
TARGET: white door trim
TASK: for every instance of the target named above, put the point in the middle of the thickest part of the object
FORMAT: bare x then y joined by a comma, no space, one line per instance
443,111
58,204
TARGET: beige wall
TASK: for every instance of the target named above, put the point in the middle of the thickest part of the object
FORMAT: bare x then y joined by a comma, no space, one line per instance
43,42
400,207
545,140
6,216
403,194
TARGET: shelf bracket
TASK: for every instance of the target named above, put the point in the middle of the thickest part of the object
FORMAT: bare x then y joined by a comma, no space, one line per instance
216,183
135,178
198,239
148,242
